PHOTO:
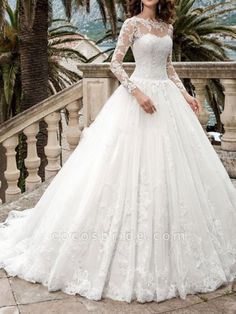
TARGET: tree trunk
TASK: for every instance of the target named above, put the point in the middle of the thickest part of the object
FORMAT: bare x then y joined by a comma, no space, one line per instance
34,67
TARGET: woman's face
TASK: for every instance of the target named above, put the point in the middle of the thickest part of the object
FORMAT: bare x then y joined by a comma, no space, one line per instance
150,3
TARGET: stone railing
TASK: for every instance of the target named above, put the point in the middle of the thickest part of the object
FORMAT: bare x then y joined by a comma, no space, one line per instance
99,83
28,123
96,87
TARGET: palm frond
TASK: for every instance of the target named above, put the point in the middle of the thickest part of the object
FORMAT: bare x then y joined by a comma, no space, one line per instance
67,53
68,7
99,54
64,26
111,9
11,16
185,6
211,29
63,33
102,11
61,41
9,78
222,12
214,6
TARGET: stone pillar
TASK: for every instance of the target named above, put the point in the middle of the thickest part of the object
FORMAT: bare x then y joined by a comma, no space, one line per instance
228,118
200,85
96,92
32,162
73,133
12,174
52,149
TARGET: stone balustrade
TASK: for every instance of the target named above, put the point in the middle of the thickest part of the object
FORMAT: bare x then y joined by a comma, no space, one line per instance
99,83
90,94
28,123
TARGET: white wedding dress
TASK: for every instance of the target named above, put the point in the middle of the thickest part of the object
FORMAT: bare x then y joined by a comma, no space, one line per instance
143,209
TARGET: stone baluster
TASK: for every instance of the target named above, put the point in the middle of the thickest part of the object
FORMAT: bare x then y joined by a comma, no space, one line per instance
52,149
73,133
32,162
228,116
12,174
200,85
93,98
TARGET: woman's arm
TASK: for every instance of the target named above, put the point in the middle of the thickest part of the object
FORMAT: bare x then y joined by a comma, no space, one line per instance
171,70
193,102
124,41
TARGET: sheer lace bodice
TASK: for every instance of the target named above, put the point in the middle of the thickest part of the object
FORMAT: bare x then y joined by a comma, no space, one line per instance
151,43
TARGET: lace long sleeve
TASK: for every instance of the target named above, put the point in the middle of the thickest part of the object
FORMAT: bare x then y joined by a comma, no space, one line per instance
171,70
124,41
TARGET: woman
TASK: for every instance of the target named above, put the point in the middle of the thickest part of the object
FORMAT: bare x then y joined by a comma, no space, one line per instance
143,209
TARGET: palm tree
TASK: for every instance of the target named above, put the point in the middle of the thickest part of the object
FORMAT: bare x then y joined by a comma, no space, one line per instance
10,82
197,33
34,19
59,76
60,39
33,43
199,36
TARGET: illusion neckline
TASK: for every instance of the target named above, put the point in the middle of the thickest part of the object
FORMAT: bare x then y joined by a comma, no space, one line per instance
148,19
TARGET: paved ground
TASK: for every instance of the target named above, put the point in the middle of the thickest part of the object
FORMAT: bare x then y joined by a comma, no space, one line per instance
19,296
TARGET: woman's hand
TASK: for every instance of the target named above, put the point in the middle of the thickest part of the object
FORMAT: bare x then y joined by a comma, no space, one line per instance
145,102
193,102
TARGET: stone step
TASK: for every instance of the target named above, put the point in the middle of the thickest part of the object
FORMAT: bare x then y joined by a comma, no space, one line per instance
26,200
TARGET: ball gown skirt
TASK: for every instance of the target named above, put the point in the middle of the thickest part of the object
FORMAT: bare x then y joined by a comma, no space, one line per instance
143,208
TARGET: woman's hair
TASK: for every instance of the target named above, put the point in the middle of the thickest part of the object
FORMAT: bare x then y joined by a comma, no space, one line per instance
166,12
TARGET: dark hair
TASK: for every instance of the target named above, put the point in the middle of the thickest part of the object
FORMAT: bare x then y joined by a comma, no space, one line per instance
166,12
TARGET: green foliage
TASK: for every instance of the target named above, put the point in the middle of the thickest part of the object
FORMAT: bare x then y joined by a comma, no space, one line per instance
9,67
198,36
59,38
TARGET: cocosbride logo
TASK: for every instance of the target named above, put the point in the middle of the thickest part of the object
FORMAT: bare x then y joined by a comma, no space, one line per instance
126,236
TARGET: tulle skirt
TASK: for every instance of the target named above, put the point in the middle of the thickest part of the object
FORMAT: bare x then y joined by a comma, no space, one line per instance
143,208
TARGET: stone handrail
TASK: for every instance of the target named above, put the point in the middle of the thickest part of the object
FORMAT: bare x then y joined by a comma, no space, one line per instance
40,110
207,70
28,122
